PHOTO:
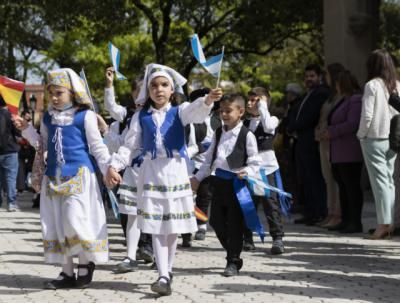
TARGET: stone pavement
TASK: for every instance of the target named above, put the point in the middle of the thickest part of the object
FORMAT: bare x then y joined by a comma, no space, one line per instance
319,266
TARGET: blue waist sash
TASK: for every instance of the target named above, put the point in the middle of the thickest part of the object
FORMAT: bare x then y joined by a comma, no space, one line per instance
261,187
246,203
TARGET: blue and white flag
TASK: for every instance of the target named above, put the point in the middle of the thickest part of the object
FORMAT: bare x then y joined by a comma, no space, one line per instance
259,186
212,65
115,56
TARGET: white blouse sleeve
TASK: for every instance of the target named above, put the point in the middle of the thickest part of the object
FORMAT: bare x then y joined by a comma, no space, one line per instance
97,148
192,148
195,112
132,142
117,112
269,123
112,138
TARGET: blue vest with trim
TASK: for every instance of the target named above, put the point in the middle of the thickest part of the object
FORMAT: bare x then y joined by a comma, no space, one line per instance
172,132
75,148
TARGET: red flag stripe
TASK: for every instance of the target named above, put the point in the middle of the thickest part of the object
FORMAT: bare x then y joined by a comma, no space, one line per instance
7,82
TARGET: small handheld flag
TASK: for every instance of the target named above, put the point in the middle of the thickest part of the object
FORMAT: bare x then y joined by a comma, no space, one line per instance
11,90
200,215
212,65
115,57
94,105
83,77
114,203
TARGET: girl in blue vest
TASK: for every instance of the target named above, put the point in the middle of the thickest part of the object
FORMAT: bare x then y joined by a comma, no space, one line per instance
71,211
165,200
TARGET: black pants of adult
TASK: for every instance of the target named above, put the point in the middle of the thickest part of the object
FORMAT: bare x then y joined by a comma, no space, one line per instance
309,172
272,212
226,218
348,178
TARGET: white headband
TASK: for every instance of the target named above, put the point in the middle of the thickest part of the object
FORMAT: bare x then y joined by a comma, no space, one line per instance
154,70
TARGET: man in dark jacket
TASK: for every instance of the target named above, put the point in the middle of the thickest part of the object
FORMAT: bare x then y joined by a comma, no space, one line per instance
8,156
306,152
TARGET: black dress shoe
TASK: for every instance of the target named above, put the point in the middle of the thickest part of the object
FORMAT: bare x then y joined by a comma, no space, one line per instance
84,281
187,240
231,270
162,286
65,282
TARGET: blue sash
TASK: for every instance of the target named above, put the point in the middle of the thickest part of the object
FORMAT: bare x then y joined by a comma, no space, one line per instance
246,203
261,187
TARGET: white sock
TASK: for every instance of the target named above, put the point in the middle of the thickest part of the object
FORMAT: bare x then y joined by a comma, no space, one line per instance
160,248
202,226
172,241
82,261
68,267
132,236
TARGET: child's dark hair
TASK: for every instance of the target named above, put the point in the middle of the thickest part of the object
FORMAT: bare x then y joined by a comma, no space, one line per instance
234,98
259,91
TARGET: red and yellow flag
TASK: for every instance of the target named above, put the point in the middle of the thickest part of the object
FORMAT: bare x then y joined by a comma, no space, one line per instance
200,215
11,91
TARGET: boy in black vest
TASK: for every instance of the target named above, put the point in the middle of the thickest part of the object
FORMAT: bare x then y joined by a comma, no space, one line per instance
233,149
263,126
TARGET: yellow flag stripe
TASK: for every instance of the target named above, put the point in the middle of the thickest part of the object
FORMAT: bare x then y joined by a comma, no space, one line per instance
11,96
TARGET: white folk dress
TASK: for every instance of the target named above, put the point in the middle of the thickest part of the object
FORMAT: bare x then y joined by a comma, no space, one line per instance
165,198
71,211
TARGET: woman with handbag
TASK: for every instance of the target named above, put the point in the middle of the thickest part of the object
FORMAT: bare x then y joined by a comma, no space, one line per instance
374,132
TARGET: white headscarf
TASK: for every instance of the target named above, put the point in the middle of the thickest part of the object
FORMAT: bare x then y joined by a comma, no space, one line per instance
67,78
154,70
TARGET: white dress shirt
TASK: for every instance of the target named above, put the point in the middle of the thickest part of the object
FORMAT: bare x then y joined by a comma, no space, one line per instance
225,147
269,124
117,112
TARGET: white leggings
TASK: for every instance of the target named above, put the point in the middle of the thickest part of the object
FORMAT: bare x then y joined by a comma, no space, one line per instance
164,247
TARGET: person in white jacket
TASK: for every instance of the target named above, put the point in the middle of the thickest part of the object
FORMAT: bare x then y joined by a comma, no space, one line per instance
373,133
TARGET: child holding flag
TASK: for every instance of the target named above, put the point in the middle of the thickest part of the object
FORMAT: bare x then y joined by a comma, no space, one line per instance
71,212
263,125
165,200
114,138
231,155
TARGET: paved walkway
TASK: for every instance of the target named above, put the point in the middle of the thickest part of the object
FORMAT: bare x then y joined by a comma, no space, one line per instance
319,266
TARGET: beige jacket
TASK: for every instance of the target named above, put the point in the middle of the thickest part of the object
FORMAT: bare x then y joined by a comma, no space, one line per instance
376,112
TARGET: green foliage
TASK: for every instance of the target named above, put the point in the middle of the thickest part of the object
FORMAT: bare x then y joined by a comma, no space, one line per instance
266,42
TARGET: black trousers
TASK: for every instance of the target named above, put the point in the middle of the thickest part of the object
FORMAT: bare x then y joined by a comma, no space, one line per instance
348,178
309,172
272,212
204,197
226,218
